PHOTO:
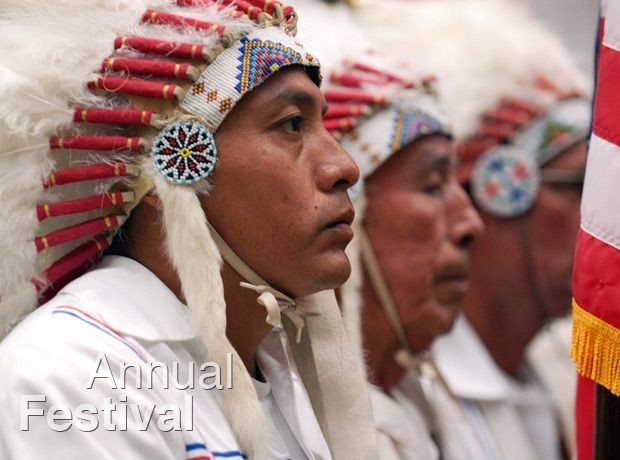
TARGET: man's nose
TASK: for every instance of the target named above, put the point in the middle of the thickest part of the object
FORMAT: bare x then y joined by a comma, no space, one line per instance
464,223
337,169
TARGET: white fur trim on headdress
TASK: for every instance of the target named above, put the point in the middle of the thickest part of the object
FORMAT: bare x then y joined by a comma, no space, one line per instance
197,261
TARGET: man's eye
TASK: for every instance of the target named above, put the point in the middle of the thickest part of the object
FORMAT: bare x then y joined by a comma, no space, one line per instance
292,124
434,188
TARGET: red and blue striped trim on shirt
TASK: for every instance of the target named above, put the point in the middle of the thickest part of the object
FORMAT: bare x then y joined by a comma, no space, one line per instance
98,324
199,451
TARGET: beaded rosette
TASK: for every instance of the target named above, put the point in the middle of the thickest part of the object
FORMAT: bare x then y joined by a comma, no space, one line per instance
184,152
505,181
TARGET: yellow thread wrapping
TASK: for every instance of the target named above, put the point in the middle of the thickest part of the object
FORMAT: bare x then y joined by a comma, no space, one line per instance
398,131
596,349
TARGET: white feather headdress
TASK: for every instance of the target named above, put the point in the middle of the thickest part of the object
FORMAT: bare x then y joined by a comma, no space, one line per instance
481,50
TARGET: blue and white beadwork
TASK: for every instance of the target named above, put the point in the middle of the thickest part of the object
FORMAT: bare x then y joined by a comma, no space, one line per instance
505,181
387,131
240,68
566,123
412,124
260,60
184,152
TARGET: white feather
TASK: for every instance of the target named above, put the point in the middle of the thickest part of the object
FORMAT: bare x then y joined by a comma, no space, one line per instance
330,32
482,51
197,261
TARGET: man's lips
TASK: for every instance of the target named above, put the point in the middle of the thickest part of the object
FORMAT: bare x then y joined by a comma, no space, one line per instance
452,284
343,218
452,272
340,226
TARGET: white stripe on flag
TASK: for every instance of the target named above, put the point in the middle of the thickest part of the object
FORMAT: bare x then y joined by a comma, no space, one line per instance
599,206
612,25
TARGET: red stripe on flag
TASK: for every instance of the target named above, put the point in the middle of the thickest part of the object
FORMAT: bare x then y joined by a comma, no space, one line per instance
606,122
584,415
596,278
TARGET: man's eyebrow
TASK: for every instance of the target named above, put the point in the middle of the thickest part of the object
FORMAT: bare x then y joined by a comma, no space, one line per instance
432,161
302,98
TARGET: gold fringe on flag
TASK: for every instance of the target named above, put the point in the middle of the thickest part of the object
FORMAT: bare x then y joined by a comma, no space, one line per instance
596,349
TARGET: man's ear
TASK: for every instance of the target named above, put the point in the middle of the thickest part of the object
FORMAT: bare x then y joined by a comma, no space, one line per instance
151,200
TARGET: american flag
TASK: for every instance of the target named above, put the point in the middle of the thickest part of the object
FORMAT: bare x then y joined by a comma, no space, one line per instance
596,277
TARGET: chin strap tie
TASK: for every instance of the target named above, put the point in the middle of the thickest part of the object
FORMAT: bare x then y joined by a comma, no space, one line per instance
405,357
273,300
278,304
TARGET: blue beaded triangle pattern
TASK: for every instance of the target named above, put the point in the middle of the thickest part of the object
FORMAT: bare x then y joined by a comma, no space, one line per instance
260,59
411,124
184,152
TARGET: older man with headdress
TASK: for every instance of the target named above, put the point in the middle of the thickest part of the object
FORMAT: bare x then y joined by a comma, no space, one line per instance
413,228
521,116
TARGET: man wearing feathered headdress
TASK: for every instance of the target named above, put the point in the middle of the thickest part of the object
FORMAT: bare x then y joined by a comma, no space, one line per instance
183,141
521,114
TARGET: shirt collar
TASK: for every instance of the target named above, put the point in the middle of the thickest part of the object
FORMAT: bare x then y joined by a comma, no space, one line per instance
130,299
467,366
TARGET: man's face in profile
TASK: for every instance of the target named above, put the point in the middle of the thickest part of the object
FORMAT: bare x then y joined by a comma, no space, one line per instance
552,226
279,195
420,222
